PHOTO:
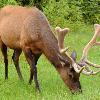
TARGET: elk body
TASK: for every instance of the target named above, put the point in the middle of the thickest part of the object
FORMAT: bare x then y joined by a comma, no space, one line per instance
27,29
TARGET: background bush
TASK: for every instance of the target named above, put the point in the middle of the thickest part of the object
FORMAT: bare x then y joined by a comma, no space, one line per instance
7,2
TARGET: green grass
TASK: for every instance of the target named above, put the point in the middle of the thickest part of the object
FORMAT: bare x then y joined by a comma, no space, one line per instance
52,86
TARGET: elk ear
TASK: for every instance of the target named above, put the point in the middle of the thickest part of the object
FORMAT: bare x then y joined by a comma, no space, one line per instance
74,55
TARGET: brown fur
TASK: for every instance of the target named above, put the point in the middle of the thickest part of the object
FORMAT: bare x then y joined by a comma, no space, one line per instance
28,29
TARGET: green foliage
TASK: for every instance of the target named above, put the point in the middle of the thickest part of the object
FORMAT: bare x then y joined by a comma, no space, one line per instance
7,2
25,2
87,11
90,9
72,11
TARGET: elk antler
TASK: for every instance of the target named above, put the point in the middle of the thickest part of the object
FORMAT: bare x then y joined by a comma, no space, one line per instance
90,72
92,43
60,36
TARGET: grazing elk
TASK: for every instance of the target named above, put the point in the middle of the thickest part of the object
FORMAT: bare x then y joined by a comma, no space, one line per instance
27,29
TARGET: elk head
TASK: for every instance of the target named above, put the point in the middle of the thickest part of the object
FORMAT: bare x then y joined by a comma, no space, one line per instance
71,69
84,60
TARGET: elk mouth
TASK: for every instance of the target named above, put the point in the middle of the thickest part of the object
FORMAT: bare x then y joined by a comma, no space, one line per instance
75,87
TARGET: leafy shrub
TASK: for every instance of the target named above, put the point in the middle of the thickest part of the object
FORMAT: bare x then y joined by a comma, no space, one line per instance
90,9
7,2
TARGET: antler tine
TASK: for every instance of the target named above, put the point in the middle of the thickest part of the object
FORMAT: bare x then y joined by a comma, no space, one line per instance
97,44
64,50
90,45
60,35
87,70
77,68
92,64
91,72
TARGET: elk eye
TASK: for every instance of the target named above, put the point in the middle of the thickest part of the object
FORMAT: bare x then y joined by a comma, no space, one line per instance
72,70
70,75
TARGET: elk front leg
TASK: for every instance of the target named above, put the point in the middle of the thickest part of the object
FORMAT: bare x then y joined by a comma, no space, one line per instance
15,58
30,57
4,52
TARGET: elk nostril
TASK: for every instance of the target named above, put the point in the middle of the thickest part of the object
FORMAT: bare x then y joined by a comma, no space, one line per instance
80,90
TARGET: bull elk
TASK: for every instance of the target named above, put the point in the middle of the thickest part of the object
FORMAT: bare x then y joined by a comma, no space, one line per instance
28,30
